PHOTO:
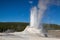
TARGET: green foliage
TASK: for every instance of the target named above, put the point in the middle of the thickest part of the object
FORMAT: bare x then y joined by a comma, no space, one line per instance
16,26
20,26
52,26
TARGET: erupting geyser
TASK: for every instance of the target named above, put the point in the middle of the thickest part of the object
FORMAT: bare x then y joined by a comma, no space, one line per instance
37,14
33,21
35,30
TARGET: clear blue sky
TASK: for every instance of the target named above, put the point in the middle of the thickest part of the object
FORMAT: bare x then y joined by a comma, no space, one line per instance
19,11
15,10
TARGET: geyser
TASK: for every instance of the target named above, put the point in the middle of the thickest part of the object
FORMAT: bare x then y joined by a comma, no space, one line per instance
37,14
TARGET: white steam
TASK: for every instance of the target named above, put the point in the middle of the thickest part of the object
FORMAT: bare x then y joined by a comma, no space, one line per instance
33,21
38,12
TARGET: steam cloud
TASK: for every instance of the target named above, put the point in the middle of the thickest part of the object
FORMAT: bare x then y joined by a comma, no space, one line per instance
33,21
37,13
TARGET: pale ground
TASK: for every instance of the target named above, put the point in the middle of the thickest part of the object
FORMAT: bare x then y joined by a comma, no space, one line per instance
25,35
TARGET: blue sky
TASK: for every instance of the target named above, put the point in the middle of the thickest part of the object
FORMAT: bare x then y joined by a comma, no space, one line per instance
19,11
52,15
15,10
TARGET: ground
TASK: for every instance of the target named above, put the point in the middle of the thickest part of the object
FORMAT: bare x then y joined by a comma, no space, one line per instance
25,35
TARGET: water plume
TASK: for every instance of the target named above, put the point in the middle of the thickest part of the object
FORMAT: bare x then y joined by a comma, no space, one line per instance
38,12
33,21
43,5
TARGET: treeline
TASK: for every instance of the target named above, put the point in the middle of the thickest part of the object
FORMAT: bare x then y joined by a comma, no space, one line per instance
52,26
14,26
20,26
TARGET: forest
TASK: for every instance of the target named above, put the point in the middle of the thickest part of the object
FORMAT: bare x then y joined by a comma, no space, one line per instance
20,26
15,26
